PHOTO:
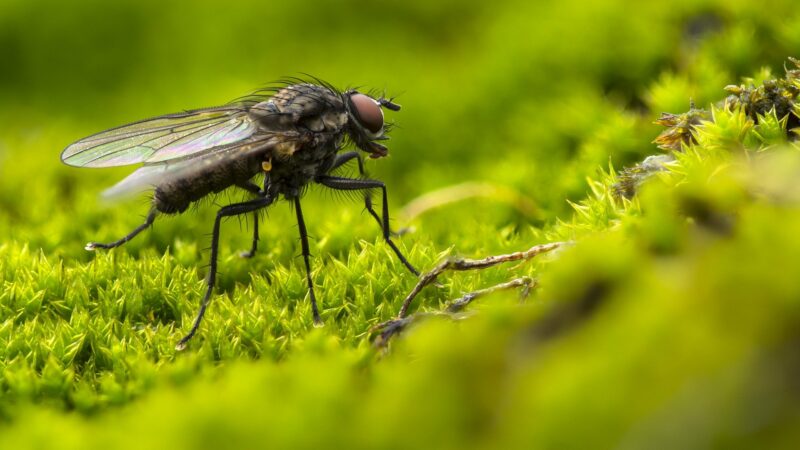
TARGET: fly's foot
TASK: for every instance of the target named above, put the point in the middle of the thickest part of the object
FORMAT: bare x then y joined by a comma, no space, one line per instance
246,254
92,246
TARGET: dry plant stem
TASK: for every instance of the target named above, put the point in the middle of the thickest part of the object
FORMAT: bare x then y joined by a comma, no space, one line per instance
526,283
471,264
394,327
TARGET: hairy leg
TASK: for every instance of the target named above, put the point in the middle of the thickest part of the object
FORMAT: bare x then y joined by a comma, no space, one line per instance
227,211
151,216
350,184
301,225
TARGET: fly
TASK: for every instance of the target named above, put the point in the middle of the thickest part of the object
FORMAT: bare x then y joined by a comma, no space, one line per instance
293,134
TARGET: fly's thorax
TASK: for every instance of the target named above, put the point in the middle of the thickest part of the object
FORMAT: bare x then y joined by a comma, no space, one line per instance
302,106
327,122
335,121
289,175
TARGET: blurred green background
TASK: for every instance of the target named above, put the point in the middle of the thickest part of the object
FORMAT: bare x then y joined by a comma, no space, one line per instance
507,92
527,99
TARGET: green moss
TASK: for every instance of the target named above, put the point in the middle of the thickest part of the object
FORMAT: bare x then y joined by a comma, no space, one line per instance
671,319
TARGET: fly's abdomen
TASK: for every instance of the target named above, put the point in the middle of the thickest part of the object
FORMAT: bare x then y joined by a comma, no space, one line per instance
210,176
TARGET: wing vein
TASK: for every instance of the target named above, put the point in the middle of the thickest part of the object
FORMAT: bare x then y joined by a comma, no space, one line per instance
143,144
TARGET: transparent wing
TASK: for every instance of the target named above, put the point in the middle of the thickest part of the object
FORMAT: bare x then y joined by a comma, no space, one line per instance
162,138
151,175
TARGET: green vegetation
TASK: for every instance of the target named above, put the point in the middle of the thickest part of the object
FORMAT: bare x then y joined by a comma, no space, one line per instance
671,320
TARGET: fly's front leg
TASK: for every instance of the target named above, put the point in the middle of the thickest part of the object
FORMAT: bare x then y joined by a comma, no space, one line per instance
344,158
350,184
227,211
151,216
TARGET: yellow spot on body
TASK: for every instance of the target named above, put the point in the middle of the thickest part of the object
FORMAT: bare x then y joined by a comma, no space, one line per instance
286,149
266,165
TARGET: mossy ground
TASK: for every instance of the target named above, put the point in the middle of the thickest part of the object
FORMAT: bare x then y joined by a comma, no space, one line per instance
673,318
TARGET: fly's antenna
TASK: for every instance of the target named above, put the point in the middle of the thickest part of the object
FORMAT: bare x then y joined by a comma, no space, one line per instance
388,104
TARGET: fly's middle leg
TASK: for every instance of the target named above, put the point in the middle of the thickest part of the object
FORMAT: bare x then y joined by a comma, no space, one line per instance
227,211
254,246
301,225
151,216
252,188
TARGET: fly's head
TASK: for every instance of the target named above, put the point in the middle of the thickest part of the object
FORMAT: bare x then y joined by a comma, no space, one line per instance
365,122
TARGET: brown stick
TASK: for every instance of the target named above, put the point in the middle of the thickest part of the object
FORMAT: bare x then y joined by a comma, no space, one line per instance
394,327
526,283
471,264
390,328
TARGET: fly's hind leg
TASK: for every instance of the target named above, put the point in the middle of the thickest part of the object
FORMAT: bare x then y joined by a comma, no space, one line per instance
151,216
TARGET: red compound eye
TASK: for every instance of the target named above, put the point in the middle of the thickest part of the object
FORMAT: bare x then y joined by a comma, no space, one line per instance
368,112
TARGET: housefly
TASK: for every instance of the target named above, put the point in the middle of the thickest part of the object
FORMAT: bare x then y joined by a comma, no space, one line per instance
293,134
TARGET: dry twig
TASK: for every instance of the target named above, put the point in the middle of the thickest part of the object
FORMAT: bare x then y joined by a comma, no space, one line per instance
395,326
